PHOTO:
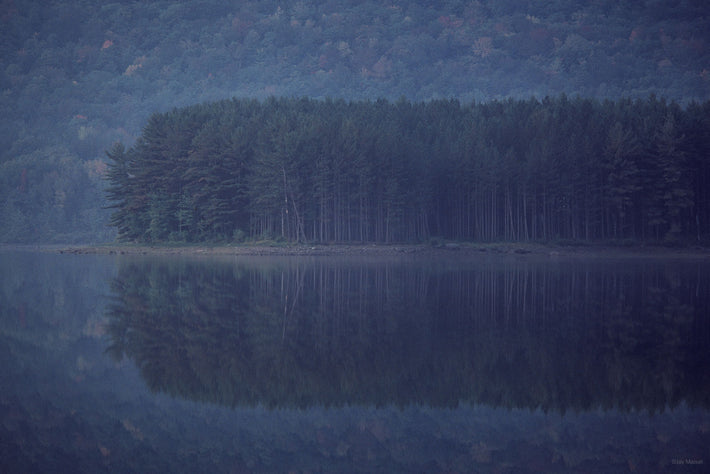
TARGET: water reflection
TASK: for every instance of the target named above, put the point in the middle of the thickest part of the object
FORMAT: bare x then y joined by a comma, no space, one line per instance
298,332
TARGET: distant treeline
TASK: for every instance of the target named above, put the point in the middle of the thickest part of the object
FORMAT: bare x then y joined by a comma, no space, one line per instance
331,170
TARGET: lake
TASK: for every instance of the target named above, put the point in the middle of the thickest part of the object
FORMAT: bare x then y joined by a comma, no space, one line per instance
338,364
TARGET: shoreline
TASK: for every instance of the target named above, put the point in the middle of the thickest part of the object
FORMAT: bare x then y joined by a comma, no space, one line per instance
457,250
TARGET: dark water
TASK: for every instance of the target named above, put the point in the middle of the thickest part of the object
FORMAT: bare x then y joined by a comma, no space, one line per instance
127,364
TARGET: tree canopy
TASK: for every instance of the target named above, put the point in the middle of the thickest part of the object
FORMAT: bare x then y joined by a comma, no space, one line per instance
307,170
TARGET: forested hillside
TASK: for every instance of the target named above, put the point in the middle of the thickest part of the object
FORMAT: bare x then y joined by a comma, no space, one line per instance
306,170
77,76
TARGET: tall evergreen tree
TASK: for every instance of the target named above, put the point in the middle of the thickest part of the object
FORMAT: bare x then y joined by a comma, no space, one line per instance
307,170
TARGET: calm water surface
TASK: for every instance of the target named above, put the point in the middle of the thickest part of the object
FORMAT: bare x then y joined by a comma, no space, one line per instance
128,364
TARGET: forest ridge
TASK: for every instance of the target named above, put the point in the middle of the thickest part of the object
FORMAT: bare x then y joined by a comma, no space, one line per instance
307,170
78,76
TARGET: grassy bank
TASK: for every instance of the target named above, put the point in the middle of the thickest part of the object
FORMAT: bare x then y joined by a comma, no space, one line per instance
458,250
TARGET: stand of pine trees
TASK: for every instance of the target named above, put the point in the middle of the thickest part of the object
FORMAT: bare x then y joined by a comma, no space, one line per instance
334,171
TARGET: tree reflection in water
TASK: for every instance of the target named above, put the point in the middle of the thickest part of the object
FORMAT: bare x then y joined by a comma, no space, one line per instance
290,332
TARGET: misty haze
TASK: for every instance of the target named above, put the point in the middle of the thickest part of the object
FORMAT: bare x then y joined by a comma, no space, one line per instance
354,236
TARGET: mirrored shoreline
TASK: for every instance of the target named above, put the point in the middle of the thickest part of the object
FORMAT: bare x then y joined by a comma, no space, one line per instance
295,332
127,364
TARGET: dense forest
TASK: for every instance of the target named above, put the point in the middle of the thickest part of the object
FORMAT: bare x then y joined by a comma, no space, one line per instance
306,170
77,76
294,333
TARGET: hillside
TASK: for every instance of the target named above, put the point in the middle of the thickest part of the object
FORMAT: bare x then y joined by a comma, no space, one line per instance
76,76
